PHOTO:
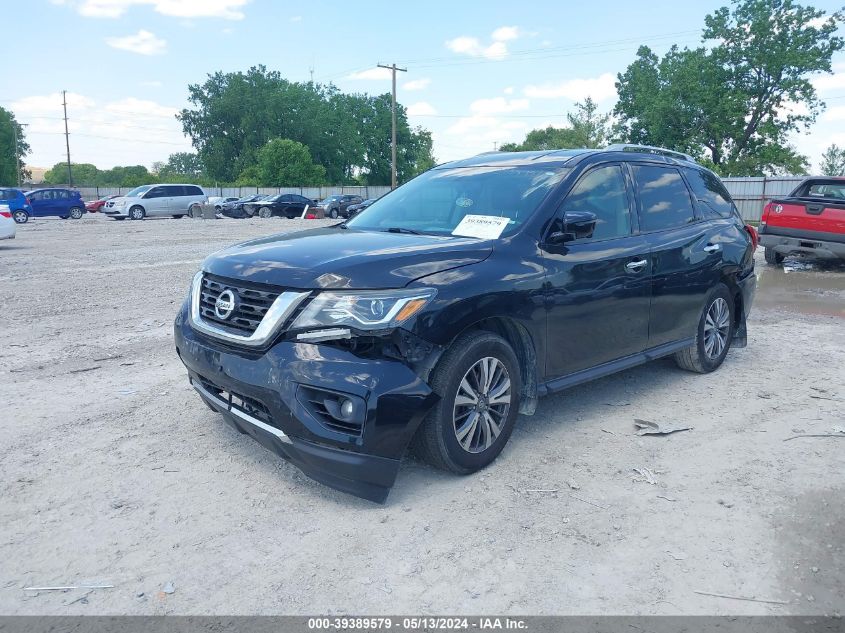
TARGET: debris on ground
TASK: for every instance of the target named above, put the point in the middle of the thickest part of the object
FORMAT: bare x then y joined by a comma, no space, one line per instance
667,498
647,427
646,475
677,555
68,587
730,597
168,588
573,485
84,369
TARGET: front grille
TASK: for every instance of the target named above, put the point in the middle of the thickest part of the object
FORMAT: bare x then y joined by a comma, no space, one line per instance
250,406
251,305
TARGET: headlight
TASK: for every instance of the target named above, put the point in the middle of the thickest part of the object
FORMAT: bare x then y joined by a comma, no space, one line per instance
370,310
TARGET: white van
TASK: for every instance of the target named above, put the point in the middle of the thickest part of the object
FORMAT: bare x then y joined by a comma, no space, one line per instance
155,201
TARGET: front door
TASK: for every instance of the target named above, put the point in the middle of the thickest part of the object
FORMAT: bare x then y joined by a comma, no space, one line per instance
598,287
155,201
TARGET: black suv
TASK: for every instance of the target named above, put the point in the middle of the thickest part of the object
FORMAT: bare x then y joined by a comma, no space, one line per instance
450,305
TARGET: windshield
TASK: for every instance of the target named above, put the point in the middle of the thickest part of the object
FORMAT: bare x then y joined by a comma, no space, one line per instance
438,200
137,191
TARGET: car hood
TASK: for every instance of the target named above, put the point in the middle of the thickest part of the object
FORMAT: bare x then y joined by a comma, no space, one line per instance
338,258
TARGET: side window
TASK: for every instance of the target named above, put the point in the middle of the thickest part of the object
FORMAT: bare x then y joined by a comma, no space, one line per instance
711,193
156,192
62,194
664,197
193,190
602,191
172,191
36,195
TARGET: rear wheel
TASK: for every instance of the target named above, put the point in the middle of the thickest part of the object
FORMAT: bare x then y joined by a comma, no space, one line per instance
21,216
478,381
714,335
772,257
76,213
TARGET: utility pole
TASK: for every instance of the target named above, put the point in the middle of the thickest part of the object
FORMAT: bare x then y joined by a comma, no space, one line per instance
393,69
495,146
67,140
17,155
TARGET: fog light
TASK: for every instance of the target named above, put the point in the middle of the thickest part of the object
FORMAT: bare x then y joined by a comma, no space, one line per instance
347,409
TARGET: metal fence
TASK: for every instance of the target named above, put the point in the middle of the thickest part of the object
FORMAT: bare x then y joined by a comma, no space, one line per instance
750,194
317,193
753,193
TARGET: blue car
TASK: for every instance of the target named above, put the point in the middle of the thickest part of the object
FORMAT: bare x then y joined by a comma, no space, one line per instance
65,203
18,204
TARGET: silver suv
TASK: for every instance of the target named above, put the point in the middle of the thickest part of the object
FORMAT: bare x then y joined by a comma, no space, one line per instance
155,201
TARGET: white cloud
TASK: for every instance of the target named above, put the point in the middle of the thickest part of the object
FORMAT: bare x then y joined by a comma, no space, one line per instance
598,88
227,9
421,108
143,43
128,131
505,33
471,46
497,105
371,74
829,83
296,18
508,90
416,84
834,114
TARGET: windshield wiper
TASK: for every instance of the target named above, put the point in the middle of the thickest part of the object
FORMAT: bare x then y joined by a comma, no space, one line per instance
401,229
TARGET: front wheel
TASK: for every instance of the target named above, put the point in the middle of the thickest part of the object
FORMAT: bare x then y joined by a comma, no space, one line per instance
478,381
772,257
333,214
265,212
136,213
21,216
714,335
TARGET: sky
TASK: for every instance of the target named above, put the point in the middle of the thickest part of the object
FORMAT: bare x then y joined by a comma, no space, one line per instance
479,73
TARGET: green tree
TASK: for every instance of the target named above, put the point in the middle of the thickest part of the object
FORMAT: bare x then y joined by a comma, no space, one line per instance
129,176
285,163
735,103
9,154
84,174
833,161
185,164
587,128
234,115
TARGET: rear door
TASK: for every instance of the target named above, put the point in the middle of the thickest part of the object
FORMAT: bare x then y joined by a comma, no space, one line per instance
815,209
685,253
598,287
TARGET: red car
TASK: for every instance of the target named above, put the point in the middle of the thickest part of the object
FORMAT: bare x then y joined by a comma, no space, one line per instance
809,220
97,205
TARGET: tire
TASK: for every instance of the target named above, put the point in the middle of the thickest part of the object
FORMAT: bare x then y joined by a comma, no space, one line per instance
76,213
333,214
265,212
20,216
712,342
137,213
438,440
772,257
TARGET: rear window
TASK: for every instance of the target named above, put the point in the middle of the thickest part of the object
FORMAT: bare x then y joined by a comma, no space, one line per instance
835,191
664,198
8,194
714,199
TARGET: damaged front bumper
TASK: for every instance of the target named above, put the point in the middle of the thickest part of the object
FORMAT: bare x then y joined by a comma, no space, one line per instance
285,397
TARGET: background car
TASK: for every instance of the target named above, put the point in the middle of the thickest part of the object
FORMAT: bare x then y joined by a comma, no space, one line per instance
17,202
810,220
219,201
55,201
235,209
335,206
96,205
353,209
162,200
7,224
283,205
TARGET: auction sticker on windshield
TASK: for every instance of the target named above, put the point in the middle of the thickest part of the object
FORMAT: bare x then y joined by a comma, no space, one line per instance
486,227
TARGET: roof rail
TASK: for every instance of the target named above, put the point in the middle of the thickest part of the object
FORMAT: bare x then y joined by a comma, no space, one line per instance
648,149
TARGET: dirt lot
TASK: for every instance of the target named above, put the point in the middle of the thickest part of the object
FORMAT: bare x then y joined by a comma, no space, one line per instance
114,472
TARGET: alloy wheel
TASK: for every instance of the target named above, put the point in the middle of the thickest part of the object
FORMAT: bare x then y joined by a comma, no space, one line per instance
21,217
717,325
481,404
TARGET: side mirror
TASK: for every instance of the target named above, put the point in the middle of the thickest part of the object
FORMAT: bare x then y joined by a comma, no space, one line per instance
576,225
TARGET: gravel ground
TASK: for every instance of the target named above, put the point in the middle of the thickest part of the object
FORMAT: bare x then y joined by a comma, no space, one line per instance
114,472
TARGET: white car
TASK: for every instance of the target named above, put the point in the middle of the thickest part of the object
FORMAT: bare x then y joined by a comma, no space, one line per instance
155,201
7,224
219,201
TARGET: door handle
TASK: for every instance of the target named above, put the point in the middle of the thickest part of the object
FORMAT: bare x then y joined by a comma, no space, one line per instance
636,266
712,248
